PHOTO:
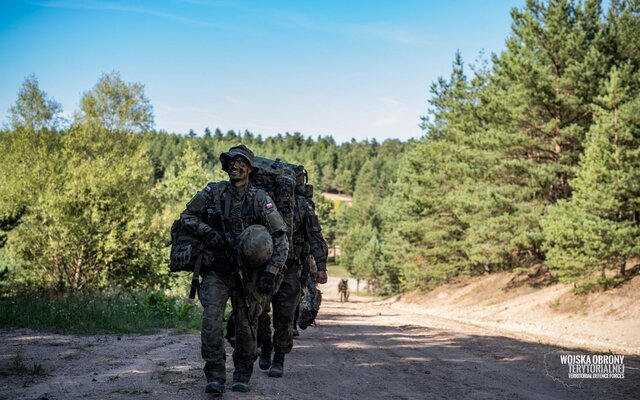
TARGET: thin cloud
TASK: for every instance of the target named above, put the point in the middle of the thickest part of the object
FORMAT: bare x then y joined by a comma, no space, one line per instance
390,101
104,6
383,31
212,3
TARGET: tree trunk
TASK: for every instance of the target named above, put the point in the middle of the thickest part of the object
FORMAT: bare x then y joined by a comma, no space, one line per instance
77,276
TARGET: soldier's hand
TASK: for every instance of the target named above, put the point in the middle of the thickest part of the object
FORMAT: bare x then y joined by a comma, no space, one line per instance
213,240
266,283
181,257
321,277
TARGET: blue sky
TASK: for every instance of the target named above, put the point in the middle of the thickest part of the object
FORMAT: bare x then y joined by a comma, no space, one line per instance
358,69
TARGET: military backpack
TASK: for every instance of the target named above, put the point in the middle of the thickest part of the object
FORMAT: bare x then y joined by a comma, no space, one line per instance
186,253
278,179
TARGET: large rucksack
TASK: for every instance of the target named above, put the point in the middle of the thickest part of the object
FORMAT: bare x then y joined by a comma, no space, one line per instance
278,179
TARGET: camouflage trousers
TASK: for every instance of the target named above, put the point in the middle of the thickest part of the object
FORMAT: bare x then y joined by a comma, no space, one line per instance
215,291
284,302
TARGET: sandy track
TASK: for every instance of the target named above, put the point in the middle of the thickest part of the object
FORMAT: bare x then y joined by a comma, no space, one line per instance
360,349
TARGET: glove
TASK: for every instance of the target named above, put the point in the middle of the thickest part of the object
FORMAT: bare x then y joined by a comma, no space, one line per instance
181,257
321,277
213,239
266,283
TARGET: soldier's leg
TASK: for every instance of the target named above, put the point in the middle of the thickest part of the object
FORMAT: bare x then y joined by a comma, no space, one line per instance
295,318
244,354
213,297
264,328
231,329
264,338
284,306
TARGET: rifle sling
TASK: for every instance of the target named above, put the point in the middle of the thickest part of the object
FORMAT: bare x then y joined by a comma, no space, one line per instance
195,280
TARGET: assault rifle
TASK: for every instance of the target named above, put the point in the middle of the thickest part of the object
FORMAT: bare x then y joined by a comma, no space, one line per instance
232,251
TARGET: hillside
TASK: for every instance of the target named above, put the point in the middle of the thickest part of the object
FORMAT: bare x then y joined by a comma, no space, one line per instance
603,321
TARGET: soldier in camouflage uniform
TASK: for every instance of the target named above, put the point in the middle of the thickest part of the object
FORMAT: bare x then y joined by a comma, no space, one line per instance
227,208
305,229
343,289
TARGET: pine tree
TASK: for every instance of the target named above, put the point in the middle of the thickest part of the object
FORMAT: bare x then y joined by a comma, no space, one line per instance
598,228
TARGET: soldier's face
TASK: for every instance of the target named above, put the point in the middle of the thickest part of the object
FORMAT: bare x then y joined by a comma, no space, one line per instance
239,169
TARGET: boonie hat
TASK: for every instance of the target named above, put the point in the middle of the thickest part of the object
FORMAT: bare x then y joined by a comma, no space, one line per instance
240,150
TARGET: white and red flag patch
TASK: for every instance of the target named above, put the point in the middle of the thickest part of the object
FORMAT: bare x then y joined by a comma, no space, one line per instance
269,206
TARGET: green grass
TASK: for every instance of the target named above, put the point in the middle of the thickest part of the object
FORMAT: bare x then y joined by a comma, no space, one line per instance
93,313
19,367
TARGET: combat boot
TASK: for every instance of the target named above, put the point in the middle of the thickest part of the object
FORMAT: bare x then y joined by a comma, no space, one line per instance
264,362
240,387
216,386
277,367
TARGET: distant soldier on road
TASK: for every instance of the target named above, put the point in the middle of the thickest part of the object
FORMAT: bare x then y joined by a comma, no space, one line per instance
343,289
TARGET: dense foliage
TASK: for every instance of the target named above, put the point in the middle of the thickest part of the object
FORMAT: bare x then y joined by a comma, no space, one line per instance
534,159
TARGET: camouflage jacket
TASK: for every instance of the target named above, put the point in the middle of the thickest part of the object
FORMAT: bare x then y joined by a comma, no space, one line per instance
307,234
221,207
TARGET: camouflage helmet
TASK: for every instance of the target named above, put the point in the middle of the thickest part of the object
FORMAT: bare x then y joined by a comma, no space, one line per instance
256,246
240,150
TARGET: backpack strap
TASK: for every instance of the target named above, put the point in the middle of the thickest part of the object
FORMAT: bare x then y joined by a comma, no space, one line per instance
256,206
226,202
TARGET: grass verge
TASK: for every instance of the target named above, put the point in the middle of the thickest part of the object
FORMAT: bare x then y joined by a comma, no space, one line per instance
99,312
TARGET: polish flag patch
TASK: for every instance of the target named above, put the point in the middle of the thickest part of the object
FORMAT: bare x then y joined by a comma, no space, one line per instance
269,206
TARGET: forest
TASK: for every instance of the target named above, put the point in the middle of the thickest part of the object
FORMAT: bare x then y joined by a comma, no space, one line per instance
529,158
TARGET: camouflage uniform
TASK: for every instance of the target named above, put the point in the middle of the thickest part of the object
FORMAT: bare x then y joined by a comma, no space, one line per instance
237,209
318,246
306,230
343,289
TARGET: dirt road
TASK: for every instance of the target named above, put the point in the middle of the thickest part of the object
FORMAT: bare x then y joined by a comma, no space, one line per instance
360,349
